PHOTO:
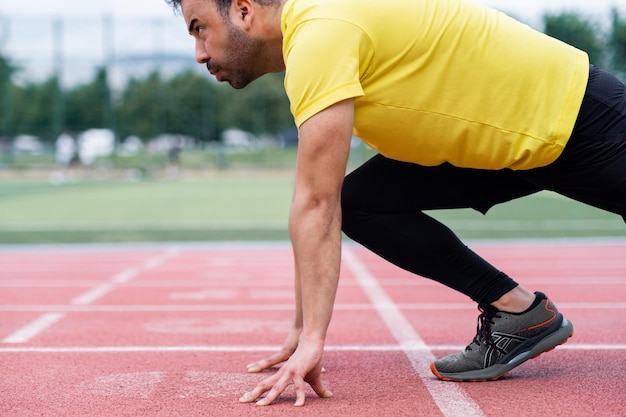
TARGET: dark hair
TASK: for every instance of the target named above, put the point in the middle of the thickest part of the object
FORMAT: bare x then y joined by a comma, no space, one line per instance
222,5
174,4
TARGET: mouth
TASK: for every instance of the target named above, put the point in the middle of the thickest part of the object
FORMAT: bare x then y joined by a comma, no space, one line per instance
211,68
216,71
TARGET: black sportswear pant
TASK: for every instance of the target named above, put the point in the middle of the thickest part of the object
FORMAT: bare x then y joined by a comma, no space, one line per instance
383,200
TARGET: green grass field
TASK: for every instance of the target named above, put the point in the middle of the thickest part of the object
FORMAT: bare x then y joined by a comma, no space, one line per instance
237,205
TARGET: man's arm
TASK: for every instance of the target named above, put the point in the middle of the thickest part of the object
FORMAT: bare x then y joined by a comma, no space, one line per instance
315,231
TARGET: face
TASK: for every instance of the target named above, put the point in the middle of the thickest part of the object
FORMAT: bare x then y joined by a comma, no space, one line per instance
228,52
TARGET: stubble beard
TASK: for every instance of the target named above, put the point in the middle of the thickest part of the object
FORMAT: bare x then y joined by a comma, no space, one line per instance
244,56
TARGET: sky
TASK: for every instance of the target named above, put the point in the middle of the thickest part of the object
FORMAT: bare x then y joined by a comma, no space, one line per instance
31,37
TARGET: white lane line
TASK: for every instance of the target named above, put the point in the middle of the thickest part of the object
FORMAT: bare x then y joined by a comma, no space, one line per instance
125,276
94,294
450,399
143,308
154,308
248,349
413,282
34,328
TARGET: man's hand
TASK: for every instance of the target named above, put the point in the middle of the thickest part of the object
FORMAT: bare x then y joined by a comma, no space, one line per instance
289,347
304,366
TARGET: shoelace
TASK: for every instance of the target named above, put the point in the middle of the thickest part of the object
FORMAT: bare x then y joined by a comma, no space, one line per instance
483,329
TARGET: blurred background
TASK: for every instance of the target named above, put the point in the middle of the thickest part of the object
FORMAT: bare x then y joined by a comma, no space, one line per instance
109,131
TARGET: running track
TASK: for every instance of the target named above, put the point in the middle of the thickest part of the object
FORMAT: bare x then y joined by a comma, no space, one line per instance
166,330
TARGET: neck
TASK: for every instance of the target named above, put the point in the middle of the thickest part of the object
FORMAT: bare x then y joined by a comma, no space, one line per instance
268,19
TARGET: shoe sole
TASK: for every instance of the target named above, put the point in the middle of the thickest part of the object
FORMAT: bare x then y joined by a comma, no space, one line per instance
497,371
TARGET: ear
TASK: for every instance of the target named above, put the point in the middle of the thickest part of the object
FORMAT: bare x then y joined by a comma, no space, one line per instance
242,13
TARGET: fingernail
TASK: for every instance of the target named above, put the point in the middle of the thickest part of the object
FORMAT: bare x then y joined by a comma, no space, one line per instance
328,394
253,369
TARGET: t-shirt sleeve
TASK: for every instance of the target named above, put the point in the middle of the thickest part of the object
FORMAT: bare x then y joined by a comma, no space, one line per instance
324,61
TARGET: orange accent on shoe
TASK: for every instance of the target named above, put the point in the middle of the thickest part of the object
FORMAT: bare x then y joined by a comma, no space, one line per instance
554,315
444,378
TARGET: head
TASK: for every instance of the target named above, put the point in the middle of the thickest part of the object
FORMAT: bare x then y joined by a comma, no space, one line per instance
226,40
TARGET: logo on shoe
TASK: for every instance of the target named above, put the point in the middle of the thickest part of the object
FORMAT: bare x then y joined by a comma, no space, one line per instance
503,343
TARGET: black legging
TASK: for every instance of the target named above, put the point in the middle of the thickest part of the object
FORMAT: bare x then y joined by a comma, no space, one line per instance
383,200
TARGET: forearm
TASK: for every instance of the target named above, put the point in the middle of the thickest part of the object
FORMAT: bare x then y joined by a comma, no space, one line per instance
315,217
315,230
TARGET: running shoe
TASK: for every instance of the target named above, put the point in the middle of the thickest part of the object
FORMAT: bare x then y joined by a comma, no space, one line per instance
504,341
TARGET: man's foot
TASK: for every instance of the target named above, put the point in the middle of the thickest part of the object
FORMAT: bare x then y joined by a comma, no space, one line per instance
504,341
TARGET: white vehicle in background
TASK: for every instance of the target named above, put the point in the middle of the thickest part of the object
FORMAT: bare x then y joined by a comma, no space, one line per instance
27,145
94,143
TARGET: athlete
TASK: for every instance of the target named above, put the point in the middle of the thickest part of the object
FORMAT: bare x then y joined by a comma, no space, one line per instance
467,108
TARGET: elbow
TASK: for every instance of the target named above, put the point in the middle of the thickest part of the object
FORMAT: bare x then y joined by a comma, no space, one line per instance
321,212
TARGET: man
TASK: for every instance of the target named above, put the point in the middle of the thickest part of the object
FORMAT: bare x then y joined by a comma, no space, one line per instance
467,107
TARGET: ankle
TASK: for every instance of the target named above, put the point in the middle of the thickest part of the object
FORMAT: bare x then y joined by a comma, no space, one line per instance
517,300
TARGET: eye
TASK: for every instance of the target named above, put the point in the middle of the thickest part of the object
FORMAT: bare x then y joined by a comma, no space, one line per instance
196,30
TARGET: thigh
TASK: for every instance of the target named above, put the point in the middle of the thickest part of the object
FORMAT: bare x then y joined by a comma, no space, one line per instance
386,185
590,170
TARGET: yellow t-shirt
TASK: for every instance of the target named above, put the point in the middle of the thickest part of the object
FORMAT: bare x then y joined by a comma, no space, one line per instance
435,80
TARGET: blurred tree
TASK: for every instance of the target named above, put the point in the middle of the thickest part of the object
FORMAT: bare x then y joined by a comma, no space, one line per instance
193,106
197,106
89,106
262,107
6,92
142,111
577,31
34,109
617,41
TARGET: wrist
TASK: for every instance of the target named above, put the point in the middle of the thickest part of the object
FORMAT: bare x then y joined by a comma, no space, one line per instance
312,337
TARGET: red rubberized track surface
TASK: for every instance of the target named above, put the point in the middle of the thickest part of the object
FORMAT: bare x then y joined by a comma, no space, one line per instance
167,330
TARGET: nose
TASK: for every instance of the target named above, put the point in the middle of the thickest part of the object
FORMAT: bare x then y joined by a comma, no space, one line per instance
201,53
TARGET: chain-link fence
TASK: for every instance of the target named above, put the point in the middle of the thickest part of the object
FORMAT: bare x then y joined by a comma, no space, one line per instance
72,48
